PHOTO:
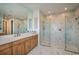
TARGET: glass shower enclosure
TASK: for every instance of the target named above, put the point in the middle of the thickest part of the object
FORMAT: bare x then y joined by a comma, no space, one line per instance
71,37
72,34
45,34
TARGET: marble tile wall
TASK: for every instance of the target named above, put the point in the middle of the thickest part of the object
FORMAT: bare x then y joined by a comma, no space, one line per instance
55,33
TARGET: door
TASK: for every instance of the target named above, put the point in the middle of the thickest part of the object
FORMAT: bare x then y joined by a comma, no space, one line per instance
52,31
45,32
71,34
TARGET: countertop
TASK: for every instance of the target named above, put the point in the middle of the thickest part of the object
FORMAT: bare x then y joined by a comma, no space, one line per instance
10,38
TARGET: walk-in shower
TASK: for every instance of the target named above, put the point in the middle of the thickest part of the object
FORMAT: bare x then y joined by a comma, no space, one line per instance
72,34
45,32
62,30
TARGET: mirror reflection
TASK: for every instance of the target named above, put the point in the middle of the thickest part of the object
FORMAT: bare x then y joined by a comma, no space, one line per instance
14,19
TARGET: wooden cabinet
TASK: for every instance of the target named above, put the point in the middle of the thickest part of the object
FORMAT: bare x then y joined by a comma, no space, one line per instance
34,41
19,47
5,49
31,43
2,33
27,46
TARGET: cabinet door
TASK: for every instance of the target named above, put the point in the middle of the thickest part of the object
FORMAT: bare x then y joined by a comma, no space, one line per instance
18,49
27,46
6,51
21,47
32,43
35,40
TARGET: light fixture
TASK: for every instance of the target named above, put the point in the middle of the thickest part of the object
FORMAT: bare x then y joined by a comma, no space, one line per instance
49,17
65,9
63,14
49,12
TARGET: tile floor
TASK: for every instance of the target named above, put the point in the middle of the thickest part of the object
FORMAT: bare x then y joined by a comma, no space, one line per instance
53,50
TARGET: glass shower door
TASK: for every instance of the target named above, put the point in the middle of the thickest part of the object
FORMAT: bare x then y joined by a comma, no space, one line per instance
72,34
45,33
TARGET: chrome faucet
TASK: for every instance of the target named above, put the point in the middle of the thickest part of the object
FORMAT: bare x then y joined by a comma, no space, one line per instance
18,33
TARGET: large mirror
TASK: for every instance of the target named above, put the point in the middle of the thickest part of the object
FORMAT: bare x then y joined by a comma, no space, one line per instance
15,18
1,24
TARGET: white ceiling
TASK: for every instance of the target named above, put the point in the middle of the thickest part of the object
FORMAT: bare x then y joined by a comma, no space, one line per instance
16,10
53,7
24,8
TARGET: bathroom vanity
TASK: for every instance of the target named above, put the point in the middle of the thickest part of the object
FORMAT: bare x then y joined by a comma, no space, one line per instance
21,45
